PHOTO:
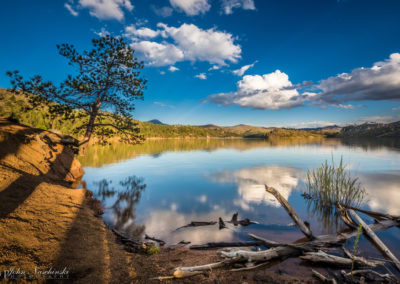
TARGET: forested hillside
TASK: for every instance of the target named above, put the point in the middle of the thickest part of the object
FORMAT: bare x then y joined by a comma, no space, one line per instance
372,130
18,107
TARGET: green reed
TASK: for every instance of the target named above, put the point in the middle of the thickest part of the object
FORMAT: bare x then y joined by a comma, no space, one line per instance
331,184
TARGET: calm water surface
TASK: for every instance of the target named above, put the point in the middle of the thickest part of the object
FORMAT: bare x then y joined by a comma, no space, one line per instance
159,186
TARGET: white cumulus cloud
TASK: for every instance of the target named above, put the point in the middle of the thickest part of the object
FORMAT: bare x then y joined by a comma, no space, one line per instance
158,54
191,7
269,91
132,32
229,5
275,91
173,68
210,45
243,69
106,9
187,42
71,10
201,76
163,11
380,82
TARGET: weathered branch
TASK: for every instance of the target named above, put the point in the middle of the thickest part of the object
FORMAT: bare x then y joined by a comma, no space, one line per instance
376,240
225,244
181,272
307,246
197,224
300,224
265,255
161,242
323,278
283,251
249,267
366,272
362,260
322,257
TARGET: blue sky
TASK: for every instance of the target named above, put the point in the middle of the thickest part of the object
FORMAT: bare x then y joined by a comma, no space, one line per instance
309,63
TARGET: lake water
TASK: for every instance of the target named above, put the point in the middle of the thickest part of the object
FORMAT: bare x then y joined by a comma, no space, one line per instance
162,185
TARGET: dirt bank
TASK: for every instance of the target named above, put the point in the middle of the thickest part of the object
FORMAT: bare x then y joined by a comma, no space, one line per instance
46,226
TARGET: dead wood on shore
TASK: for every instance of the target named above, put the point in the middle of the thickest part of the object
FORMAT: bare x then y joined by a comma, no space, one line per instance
311,250
221,223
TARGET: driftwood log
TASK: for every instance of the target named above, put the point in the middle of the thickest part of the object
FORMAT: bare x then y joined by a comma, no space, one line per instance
226,245
197,224
221,223
373,214
333,260
367,272
300,224
323,278
161,242
370,233
308,250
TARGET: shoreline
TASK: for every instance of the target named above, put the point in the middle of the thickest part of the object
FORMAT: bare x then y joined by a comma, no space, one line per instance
50,231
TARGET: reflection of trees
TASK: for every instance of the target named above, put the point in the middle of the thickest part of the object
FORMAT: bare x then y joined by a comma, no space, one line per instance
123,209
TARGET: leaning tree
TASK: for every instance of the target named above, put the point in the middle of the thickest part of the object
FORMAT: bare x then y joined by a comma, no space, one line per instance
101,92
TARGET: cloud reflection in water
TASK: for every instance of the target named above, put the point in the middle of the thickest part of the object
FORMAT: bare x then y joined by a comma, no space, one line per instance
251,183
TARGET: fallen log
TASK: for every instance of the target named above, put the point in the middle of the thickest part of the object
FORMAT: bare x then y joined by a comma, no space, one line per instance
376,240
344,215
249,267
245,222
373,214
226,244
161,242
359,259
322,257
307,246
125,239
323,278
300,224
129,244
261,256
181,272
366,272
283,251
197,224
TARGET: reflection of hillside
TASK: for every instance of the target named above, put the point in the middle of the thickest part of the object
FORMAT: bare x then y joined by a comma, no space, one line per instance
372,143
98,155
251,183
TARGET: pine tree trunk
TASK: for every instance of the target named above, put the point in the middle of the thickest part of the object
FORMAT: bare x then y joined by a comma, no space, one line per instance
89,130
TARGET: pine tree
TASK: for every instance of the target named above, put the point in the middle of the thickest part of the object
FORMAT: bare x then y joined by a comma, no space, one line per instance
106,83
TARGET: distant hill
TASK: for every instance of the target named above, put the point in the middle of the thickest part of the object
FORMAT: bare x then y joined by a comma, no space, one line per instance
372,130
209,126
247,131
329,127
156,121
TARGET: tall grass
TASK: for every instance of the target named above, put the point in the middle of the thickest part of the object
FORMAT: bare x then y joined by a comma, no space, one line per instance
331,184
